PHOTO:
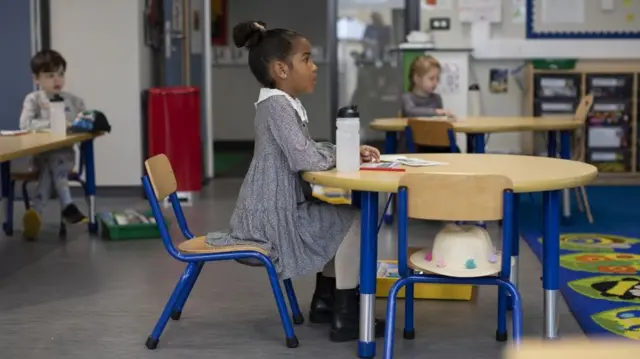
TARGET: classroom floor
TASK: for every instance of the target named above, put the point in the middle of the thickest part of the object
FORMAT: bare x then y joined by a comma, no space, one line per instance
88,298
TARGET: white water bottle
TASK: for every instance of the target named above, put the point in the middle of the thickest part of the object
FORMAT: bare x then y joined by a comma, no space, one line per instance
348,139
57,116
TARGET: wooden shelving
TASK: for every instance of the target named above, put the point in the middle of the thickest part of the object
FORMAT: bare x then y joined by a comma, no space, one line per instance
610,139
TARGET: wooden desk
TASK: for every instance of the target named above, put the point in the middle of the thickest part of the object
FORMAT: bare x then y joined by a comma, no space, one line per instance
14,147
575,348
477,127
489,124
528,174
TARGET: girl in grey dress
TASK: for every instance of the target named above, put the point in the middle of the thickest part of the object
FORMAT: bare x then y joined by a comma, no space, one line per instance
275,209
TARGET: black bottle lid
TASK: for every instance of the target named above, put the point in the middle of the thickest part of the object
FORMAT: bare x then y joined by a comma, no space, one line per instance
56,98
474,87
349,112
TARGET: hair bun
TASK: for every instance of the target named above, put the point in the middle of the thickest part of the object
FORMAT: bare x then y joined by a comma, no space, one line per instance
248,34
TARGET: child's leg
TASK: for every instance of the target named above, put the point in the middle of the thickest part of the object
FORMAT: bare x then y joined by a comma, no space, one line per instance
60,165
345,323
32,221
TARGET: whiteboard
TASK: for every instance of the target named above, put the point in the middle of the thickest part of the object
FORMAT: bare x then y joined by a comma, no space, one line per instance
586,19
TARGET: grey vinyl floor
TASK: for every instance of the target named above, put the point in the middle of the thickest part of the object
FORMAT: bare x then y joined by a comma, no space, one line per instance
87,298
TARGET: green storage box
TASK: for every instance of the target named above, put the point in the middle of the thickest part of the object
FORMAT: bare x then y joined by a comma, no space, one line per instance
111,230
554,64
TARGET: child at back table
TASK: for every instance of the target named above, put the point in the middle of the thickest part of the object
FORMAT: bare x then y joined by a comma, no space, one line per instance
48,68
275,209
421,100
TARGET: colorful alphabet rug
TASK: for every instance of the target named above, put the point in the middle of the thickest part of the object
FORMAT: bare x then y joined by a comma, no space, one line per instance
600,281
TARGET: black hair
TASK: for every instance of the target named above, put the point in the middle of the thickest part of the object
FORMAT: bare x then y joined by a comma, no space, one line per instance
47,61
264,47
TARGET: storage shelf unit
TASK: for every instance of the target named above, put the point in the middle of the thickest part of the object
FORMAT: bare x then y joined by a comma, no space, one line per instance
610,133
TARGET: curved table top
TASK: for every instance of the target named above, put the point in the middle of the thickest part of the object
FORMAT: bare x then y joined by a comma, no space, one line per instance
487,124
528,173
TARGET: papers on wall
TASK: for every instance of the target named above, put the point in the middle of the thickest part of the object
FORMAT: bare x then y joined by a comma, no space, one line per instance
563,11
436,5
480,10
518,11
449,78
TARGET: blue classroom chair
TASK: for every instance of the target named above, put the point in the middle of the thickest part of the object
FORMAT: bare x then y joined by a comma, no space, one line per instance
447,197
159,183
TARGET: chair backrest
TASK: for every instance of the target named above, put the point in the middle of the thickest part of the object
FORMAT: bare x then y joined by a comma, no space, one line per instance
583,108
574,348
579,138
455,197
161,176
160,183
430,132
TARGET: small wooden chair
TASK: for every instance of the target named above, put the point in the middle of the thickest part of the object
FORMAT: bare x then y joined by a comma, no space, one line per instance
32,176
579,152
425,132
159,182
449,197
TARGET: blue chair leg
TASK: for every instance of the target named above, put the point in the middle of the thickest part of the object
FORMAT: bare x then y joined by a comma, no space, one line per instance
501,332
409,330
517,310
293,302
176,313
391,318
154,338
291,339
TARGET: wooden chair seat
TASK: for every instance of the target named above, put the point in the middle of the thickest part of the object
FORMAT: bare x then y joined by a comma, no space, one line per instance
31,175
199,246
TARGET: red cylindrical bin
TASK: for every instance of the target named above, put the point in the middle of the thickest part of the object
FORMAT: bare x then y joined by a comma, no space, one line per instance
173,128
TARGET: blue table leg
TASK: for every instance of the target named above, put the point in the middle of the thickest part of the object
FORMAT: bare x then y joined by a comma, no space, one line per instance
565,153
368,259
5,174
552,151
515,249
90,176
551,261
470,143
478,143
390,147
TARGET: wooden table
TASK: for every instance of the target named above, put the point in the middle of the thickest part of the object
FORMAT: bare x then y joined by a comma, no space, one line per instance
477,127
14,147
528,174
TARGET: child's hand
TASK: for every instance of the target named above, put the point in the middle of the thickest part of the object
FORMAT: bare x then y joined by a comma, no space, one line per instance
443,112
369,154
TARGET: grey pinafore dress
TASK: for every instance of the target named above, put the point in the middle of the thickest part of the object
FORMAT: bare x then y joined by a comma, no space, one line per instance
275,210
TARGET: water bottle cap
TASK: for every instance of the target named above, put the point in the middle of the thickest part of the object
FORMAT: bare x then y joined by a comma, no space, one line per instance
349,112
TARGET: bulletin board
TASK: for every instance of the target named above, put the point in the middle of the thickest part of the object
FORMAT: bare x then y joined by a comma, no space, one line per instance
580,19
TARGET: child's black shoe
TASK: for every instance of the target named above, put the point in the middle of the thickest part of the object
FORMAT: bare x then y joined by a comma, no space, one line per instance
72,214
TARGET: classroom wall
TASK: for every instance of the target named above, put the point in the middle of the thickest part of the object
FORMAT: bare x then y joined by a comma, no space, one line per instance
504,104
234,88
109,66
512,32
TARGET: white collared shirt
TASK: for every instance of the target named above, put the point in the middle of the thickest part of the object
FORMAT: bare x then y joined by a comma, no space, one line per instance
265,93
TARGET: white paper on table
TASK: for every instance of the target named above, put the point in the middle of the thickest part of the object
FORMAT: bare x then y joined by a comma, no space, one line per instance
563,11
410,161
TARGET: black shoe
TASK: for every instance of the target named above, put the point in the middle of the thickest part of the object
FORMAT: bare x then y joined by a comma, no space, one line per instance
322,301
345,323
72,214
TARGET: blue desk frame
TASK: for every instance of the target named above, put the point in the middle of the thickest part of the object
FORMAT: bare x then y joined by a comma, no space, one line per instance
551,201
